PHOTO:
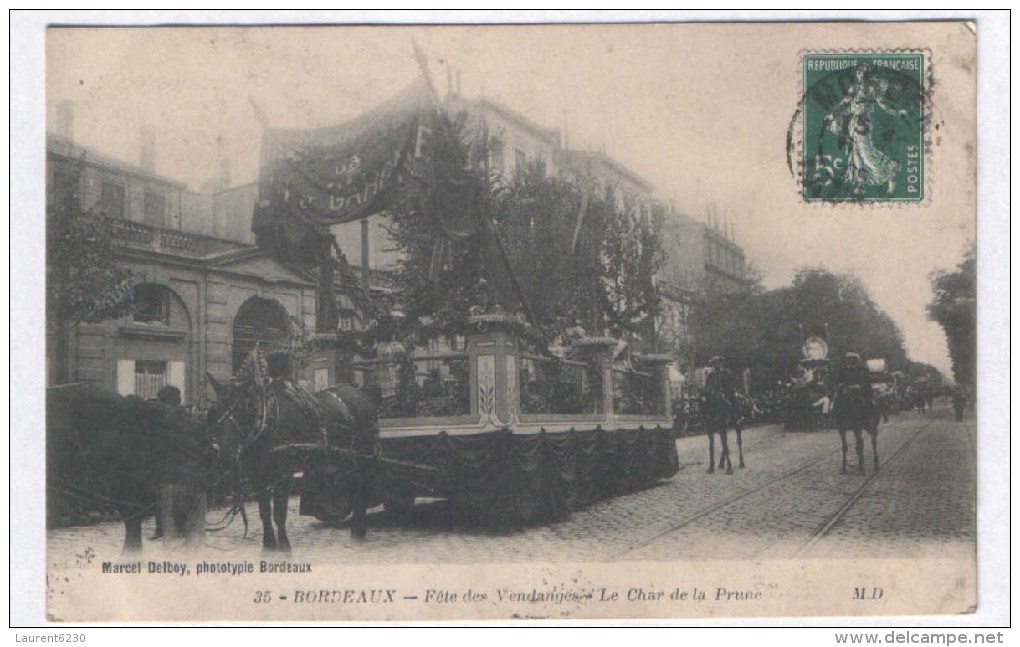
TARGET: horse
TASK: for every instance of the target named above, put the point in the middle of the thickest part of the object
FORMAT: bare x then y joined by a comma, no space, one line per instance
719,414
260,419
853,411
113,452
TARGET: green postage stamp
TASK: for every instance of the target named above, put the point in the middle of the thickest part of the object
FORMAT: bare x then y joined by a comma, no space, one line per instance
863,126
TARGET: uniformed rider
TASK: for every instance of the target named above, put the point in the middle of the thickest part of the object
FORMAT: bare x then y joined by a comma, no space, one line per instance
853,375
720,386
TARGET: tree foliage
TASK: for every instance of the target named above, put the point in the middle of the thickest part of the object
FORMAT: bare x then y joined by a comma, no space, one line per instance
602,274
954,308
764,329
84,281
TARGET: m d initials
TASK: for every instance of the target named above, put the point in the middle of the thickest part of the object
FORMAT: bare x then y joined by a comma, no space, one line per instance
864,593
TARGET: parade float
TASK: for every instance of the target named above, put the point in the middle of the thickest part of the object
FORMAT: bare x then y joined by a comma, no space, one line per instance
510,435
493,421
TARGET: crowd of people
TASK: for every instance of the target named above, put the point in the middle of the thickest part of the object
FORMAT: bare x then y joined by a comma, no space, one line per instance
806,405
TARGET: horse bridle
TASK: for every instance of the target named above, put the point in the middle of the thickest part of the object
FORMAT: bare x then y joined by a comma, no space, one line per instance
261,418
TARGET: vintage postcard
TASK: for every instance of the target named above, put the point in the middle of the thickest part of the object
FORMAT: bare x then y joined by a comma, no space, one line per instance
510,322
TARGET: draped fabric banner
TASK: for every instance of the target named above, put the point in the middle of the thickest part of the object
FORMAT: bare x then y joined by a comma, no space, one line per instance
505,478
405,154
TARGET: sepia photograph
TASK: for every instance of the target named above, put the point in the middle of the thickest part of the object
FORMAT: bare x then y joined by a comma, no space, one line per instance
508,322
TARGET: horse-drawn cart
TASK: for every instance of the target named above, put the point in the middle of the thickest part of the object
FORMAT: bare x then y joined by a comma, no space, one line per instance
509,455
807,405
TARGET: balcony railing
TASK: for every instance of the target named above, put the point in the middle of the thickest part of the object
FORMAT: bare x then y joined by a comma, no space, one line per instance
160,238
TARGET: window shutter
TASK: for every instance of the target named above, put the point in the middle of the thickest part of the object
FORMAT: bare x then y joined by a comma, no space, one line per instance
175,376
126,376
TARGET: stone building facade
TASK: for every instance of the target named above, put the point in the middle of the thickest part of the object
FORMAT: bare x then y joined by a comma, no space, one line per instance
702,258
199,302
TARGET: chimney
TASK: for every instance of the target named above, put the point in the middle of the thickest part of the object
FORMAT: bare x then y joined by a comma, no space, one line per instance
65,119
148,148
225,172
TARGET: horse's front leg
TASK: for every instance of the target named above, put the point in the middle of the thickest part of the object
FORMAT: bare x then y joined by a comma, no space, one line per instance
724,455
842,440
859,446
281,497
874,445
740,444
359,503
265,498
711,449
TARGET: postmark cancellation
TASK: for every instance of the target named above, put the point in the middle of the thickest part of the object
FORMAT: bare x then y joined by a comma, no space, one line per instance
862,127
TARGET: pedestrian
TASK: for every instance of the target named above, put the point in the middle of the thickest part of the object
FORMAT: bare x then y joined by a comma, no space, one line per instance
959,403
187,457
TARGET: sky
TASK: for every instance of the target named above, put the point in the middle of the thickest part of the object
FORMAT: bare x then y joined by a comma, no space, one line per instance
702,111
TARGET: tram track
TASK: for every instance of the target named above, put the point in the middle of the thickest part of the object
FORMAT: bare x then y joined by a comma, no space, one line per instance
832,520
823,529
719,505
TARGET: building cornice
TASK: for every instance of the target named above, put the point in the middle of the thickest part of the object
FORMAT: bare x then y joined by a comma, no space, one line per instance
549,135
67,150
203,265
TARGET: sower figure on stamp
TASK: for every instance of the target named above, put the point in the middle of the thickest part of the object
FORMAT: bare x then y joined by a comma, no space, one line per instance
851,119
719,408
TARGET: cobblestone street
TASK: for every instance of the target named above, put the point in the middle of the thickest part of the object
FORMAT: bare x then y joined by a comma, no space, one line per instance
790,501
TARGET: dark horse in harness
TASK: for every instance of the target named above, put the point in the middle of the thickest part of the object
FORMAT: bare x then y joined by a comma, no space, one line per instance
854,411
113,452
263,419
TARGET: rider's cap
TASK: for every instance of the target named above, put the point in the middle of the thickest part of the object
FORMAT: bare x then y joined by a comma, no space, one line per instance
169,394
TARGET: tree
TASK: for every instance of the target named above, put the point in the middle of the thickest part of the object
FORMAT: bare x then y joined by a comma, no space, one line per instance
764,330
84,282
575,258
954,308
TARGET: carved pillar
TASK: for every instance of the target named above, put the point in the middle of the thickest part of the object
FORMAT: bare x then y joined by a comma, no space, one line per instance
334,355
658,365
494,358
598,352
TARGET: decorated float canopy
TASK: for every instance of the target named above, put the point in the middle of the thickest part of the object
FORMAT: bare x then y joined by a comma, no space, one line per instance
815,348
877,365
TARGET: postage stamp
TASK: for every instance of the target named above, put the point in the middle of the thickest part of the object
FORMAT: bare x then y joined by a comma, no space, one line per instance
401,340
863,128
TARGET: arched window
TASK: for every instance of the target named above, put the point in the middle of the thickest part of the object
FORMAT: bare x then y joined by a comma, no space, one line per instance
152,349
259,321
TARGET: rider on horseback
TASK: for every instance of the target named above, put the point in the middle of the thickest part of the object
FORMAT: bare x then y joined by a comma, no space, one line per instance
854,407
853,376
719,404
720,386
